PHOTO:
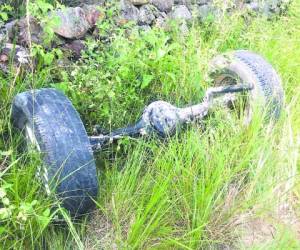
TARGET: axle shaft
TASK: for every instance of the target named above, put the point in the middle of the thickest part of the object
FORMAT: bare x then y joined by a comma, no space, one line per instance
164,119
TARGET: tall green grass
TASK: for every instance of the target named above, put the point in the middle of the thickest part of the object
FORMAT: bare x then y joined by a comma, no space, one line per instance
202,189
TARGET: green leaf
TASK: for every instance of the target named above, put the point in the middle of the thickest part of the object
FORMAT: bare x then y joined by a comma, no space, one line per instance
63,86
146,81
3,16
160,54
48,58
3,230
6,153
45,7
46,212
5,201
45,219
2,193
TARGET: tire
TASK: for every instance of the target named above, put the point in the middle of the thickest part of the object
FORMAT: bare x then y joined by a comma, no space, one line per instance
243,66
54,125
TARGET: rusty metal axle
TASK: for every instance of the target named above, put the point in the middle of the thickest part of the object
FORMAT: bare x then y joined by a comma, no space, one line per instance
163,119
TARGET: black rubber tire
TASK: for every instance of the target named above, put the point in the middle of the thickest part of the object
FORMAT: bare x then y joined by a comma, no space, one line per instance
247,67
69,163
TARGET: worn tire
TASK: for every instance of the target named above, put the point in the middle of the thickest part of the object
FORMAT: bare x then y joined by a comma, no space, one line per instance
243,66
69,169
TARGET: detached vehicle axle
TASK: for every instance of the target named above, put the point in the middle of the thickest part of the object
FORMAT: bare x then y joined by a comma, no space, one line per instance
164,119
52,125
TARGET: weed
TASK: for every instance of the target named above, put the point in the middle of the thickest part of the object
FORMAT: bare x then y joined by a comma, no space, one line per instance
209,187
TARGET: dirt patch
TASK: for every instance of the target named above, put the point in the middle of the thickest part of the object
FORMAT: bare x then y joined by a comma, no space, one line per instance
259,226
100,233
256,228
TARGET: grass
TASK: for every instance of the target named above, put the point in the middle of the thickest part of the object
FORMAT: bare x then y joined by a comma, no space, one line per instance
214,185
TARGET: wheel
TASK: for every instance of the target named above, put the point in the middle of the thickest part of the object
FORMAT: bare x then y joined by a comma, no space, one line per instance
50,122
243,66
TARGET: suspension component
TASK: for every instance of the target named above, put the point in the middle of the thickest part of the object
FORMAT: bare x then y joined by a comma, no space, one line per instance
164,119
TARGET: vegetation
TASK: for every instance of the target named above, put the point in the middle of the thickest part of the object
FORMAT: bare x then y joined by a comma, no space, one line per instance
217,184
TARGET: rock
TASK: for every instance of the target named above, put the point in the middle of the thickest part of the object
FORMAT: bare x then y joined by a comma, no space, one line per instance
183,28
3,35
145,27
74,48
73,23
18,54
75,3
181,2
15,3
267,8
128,11
204,11
163,5
181,12
203,2
139,2
71,2
3,39
3,58
92,14
9,29
146,16
270,7
156,12
187,3
19,30
160,22
254,6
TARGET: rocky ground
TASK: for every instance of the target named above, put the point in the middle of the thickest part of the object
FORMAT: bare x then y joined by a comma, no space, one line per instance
80,18
156,12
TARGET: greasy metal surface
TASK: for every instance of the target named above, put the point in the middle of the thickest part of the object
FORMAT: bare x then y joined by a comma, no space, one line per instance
164,119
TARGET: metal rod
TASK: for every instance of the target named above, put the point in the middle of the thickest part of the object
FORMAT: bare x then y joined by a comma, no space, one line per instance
164,119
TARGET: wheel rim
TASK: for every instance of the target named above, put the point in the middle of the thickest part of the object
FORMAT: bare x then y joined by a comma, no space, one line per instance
235,101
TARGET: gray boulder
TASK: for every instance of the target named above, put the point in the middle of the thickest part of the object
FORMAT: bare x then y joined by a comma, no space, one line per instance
73,49
144,27
187,3
163,5
184,29
268,7
203,2
254,6
128,11
73,23
204,11
19,56
75,3
146,16
19,30
160,22
180,12
139,2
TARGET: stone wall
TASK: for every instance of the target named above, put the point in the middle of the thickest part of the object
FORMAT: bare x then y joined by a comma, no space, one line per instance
80,21
147,13
156,12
